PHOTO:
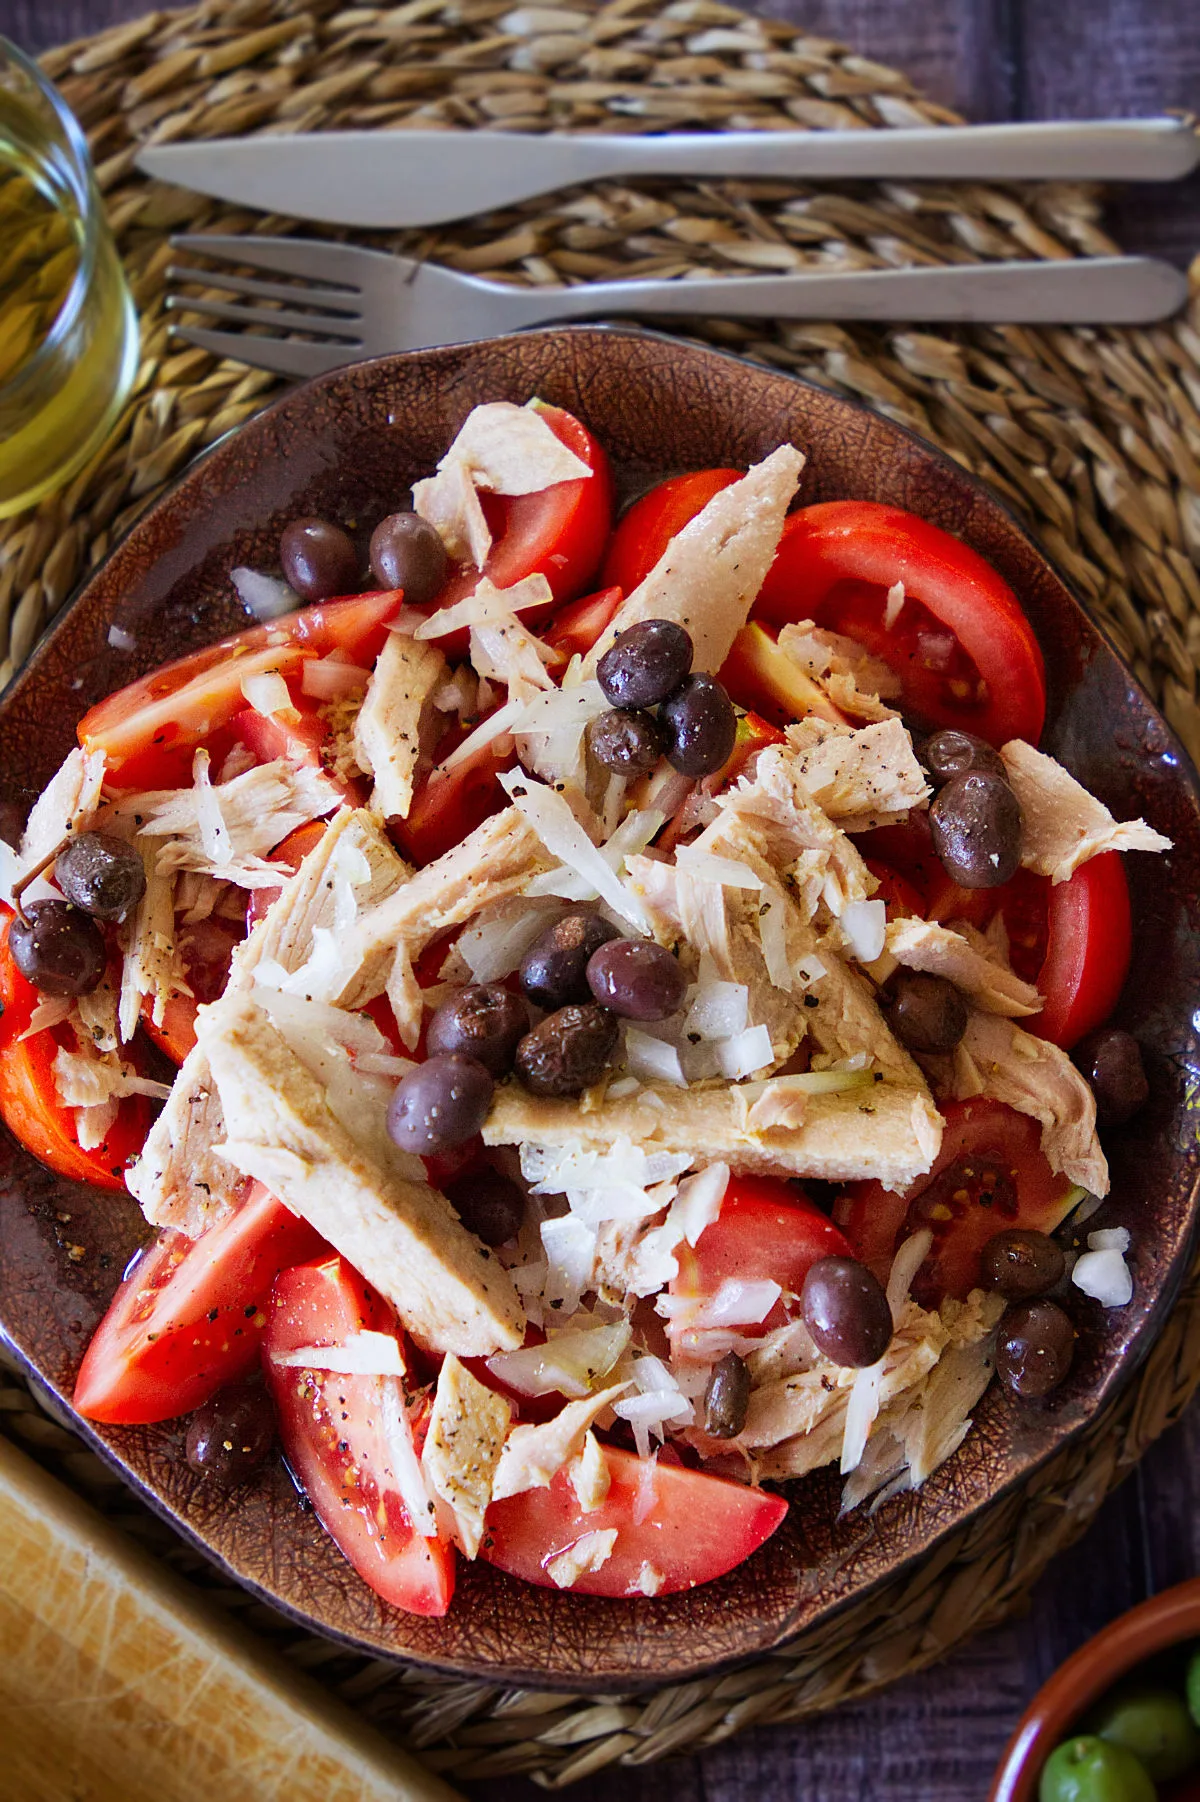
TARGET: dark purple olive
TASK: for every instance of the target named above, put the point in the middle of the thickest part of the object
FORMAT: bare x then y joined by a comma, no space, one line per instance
1021,1263
231,1435
407,553
925,1012
950,753
1034,1349
440,1104
488,1203
554,969
626,741
485,1022
976,827
101,874
645,664
637,979
727,1398
568,1052
318,559
702,726
846,1312
1112,1062
58,948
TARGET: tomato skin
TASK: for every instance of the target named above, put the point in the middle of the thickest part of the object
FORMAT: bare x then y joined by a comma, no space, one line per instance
29,1101
332,1436
900,897
181,704
189,1315
575,629
1090,932
767,1230
696,1528
559,533
647,528
842,543
446,807
876,1219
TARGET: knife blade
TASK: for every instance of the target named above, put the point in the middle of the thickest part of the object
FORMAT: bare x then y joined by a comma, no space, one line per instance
413,178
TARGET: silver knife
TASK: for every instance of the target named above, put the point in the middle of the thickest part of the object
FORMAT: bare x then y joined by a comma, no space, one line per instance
405,178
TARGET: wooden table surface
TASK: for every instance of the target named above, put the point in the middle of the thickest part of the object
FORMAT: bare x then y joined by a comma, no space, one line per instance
935,1737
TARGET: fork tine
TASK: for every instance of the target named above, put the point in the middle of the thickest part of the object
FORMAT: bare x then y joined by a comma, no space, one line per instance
273,319
312,259
285,356
335,300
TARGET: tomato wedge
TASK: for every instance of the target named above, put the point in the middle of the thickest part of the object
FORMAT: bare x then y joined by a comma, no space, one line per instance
899,896
964,651
334,1437
767,1231
179,705
1089,943
447,806
675,1528
29,1102
575,629
991,1174
189,1314
648,527
559,533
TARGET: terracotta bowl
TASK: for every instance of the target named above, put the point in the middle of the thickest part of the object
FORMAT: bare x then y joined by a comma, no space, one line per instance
1166,1620
347,446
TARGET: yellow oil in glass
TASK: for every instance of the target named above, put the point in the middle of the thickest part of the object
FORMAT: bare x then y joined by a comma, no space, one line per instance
68,331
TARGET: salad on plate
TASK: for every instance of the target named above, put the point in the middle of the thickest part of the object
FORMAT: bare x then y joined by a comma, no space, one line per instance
638,1002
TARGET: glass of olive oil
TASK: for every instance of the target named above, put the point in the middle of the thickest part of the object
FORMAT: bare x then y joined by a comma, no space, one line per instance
68,329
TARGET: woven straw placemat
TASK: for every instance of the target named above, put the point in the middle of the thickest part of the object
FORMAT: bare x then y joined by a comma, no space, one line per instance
1092,436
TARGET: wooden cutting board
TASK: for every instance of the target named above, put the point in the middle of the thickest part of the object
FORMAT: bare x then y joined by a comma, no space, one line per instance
119,1684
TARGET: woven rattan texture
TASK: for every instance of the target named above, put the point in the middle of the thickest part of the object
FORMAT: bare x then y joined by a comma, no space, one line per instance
1093,436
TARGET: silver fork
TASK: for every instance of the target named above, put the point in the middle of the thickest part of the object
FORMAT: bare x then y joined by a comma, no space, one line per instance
365,303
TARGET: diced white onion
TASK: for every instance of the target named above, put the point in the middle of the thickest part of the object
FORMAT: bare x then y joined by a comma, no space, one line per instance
719,1010
698,1200
382,1063
742,1056
267,693
1105,1276
651,1059
895,601
266,597
406,1466
772,933
564,838
363,1354
496,725
120,639
495,944
654,1407
708,868
735,1303
865,926
570,1249
809,969
862,1408
553,1170
214,833
570,1363
622,1088
1109,1238
907,1261
328,679
485,603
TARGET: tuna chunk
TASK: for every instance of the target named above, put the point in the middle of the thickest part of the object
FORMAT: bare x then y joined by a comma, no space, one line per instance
861,779
881,1130
178,1180
965,958
67,804
1064,826
151,965
997,1059
533,1455
450,1292
398,723
853,680
462,1448
709,574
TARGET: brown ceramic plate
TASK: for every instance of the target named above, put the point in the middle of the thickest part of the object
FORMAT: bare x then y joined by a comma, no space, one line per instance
347,446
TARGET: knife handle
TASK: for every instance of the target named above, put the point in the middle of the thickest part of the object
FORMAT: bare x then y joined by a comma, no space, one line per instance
1084,291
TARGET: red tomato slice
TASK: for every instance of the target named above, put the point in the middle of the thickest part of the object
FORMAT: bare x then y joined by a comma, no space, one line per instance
332,1432
899,896
207,951
650,524
189,1315
965,652
446,807
1089,943
575,629
676,1528
180,704
760,676
767,1230
991,1174
291,854
559,533
29,1101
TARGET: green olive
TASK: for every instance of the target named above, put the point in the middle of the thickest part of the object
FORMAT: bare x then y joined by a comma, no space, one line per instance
1088,1769
1154,1725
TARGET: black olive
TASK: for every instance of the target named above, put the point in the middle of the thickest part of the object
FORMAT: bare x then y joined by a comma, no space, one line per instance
727,1398
1021,1263
950,753
407,553
626,741
645,664
925,1012
846,1311
1034,1349
702,724
440,1104
101,874
318,559
231,1435
554,969
489,1204
1112,1062
976,827
485,1021
637,979
58,948
568,1051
